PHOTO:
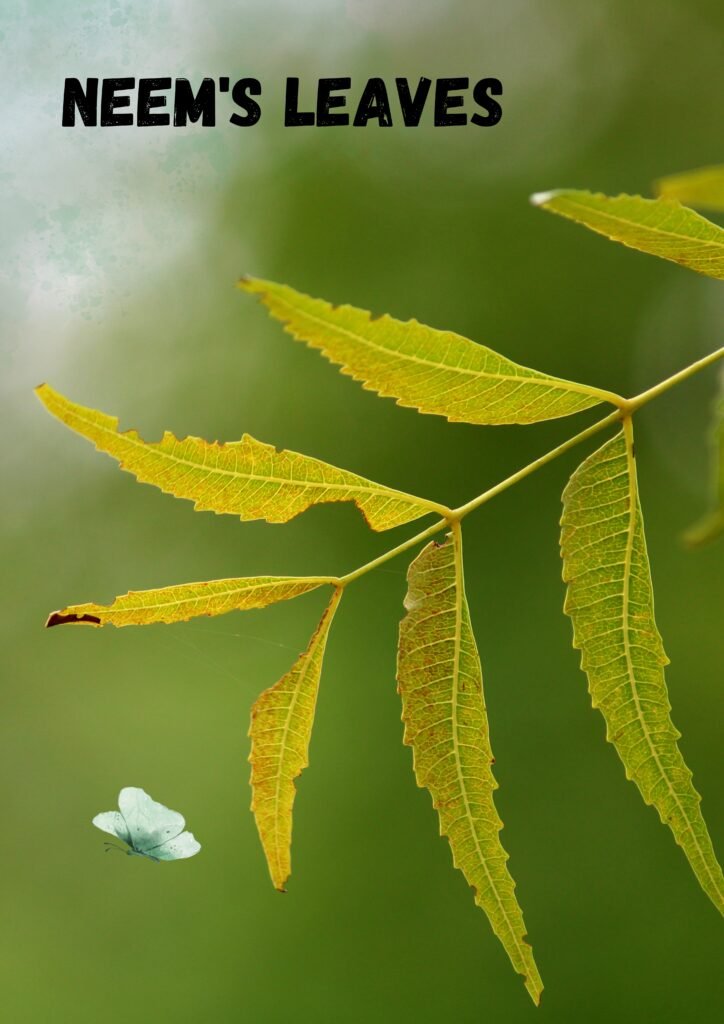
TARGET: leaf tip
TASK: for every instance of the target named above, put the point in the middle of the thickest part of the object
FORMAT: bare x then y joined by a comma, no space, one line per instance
42,393
248,283
542,198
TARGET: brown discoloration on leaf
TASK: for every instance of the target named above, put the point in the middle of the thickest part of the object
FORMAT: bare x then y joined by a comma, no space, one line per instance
63,618
190,600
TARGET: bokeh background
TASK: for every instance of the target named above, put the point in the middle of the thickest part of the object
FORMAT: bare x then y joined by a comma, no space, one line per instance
119,254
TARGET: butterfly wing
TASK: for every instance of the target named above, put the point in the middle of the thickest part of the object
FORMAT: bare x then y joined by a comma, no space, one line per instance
149,823
182,846
113,823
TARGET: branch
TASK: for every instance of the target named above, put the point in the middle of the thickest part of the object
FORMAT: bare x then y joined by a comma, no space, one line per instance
626,411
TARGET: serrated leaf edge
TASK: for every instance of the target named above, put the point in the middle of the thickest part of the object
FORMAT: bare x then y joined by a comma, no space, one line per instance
278,860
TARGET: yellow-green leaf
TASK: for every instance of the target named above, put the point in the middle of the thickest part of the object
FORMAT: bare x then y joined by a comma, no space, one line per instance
180,603
281,727
707,529
610,601
425,369
245,478
702,188
441,685
661,227
712,525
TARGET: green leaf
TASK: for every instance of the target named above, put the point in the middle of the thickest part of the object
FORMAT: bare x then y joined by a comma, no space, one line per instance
702,188
180,603
661,227
610,601
244,478
441,685
425,369
712,525
281,727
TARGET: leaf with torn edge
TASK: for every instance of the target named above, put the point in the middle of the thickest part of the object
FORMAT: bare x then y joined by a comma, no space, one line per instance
186,601
660,227
245,478
441,685
281,727
610,601
422,368
712,525
702,188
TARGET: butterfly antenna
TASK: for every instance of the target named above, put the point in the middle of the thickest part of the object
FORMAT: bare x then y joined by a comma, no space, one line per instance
112,846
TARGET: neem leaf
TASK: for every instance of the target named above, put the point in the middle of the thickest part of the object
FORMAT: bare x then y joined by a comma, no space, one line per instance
661,227
441,685
429,370
610,601
712,525
180,603
281,727
244,478
702,188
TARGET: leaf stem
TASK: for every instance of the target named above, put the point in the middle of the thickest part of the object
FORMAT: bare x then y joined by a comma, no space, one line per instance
463,510
342,581
454,516
635,403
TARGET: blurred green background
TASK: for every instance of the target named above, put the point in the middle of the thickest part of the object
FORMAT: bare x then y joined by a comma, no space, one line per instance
120,251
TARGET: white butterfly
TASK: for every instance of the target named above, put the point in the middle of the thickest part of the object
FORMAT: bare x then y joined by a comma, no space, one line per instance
150,829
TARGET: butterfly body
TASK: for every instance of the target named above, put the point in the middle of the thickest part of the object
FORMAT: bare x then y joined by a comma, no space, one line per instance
148,828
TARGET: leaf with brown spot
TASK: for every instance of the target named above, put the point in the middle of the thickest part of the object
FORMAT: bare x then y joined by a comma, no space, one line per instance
188,600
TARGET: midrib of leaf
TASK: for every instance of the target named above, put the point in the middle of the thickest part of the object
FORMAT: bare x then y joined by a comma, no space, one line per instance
549,382
459,597
633,507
